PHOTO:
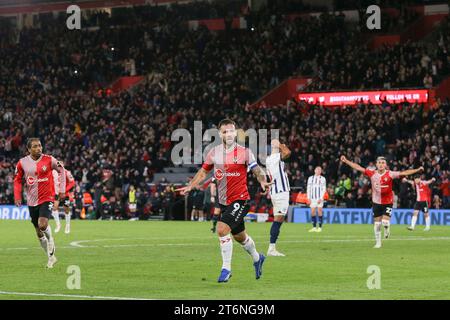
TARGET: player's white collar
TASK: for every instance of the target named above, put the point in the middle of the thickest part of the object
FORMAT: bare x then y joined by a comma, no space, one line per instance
37,159
230,148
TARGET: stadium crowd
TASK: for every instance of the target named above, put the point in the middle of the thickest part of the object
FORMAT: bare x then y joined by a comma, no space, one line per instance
110,142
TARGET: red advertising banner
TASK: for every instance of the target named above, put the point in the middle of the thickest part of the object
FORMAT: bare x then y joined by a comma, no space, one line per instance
353,97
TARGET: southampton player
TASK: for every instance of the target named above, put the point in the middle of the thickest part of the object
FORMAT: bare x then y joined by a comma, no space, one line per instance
214,199
68,201
230,162
36,170
279,191
421,201
382,195
315,190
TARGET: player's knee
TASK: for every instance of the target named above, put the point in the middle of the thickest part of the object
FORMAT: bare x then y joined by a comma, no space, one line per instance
240,237
222,231
43,225
278,218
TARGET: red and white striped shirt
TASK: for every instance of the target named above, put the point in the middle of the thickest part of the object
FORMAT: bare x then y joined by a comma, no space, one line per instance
230,171
70,181
39,184
382,185
422,190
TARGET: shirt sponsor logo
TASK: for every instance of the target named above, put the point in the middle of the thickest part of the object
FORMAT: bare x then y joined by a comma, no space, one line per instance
32,180
219,174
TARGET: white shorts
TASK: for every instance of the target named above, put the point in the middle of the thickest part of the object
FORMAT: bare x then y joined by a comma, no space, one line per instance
132,206
315,204
280,202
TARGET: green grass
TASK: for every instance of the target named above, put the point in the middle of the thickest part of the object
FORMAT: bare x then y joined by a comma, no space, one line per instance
181,260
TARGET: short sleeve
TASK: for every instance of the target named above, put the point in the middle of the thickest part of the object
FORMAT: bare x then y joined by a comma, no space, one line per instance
394,174
208,164
369,172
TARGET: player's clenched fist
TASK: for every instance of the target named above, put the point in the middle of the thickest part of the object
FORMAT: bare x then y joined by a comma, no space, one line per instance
343,158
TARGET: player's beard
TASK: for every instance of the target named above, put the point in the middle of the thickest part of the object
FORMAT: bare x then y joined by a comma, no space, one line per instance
37,155
229,142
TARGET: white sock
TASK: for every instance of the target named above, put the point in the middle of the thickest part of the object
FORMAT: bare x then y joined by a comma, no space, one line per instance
386,225
68,219
226,247
43,241
48,233
427,222
413,221
272,246
50,242
249,246
55,215
377,231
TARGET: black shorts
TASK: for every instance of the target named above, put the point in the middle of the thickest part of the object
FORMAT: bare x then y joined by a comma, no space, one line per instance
381,210
421,206
44,210
233,215
197,203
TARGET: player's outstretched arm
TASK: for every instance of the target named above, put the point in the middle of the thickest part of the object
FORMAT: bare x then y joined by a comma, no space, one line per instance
353,165
199,177
410,172
285,152
430,181
261,177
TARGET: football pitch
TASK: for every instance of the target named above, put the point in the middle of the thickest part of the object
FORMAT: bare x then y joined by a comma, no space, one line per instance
182,260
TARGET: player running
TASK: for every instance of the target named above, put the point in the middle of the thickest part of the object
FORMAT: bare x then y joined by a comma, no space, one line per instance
68,201
382,194
36,170
279,191
315,190
421,201
230,161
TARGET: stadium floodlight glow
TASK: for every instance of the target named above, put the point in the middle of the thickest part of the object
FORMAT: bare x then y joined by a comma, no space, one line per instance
112,49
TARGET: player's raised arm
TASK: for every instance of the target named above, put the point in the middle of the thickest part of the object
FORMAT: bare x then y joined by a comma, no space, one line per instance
429,181
410,172
284,150
353,165
18,175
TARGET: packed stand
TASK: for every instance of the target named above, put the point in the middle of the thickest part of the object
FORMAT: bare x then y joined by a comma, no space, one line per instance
112,142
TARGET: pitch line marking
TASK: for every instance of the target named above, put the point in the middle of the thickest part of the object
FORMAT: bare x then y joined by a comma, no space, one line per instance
59,295
76,244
